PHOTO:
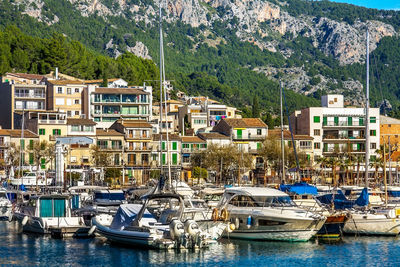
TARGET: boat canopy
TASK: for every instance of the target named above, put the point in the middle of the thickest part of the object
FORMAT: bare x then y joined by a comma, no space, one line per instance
299,189
255,191
127,213
341,202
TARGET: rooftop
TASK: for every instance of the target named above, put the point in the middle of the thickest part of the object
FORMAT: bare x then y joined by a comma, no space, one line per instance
213,135
17,133
65,82
71,121
101,80
388,120
134,123
128,90
245,123
108,132
26,75
171,137
287,135
192,139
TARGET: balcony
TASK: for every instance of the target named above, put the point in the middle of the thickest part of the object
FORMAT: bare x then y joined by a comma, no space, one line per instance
138,136
249,137
343,124
254,151
52,121
24,95
342,137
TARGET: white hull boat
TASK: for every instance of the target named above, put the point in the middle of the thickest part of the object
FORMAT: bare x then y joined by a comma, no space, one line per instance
5,205
267,214
368,223
156,224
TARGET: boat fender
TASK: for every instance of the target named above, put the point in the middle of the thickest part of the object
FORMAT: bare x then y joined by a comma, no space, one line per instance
224,214
24,220
237,223
231,227
10,217
176,229
214,215
192,228
91,230
249,219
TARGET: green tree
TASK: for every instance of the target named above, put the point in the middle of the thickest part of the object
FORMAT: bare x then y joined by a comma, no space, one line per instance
255,109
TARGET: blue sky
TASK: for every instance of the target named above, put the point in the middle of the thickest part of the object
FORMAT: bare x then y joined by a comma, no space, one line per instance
380,4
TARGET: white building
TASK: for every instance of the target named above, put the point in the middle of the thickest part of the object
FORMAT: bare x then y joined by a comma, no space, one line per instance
336,128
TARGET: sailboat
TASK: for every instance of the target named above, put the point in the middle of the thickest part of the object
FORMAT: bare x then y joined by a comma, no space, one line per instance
376,220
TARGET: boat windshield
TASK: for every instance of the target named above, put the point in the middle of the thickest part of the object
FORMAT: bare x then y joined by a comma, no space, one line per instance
261,201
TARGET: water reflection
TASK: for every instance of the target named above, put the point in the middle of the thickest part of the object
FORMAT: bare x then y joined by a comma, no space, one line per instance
31,250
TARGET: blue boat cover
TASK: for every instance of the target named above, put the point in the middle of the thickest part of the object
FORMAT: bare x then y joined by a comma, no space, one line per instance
341,202
299,188
126,214
393,193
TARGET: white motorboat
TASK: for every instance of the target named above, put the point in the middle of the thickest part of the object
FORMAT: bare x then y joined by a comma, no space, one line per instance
5,205
158,223
374,222
51,214
267,214
31,178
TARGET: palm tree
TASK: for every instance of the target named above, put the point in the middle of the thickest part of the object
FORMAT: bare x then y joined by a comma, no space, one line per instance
39,152
12,156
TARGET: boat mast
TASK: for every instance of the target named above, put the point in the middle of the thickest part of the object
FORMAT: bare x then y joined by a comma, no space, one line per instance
282,140
161,89
367,114
21,148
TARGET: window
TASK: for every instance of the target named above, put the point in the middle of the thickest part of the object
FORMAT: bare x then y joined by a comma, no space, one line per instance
59,90
372,119
163,146
43,163
76,102
258,146
88,128
85,159
174,145
305,144
30,144
73,159
69,113
163,159
69,91
259,131
42,131
116,159
76,90
76,113
56,131
22,142
30,158
372,132
239,134
174,159
317,119
75,128
317,132
373,145
317,145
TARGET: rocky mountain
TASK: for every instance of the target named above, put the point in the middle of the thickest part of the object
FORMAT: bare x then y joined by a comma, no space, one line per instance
311,46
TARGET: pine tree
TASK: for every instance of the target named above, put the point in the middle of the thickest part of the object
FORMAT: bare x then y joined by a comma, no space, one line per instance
255,109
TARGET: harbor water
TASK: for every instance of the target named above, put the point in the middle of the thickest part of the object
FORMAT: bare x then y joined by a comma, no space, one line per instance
20,249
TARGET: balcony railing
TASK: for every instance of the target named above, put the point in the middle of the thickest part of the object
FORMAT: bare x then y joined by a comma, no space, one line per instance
52,121
135,136
30,95
339,137
343,123
249,137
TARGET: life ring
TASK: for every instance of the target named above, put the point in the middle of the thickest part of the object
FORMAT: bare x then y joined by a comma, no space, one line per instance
224,214
214,215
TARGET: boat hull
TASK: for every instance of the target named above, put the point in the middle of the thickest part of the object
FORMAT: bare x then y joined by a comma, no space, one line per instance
333,227
372,224
284,235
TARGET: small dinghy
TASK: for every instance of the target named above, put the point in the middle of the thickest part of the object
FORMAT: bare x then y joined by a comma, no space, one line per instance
158,224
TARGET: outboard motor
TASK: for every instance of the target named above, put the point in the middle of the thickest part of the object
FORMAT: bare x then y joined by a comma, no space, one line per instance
176,229
192,228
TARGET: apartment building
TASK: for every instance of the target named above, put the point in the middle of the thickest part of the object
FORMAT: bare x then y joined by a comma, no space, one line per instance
47,124
137,150
390,132
22,78
247,133
107,105
112,83
173,157
66,96
112,143
336,128
18,98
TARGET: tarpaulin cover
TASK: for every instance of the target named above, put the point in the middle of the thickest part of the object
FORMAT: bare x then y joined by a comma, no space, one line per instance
299,189
341,202
127,213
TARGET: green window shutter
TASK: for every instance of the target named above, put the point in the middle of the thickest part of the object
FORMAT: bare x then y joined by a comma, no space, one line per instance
349,121
174,159
336,120
31,158
289,143
372,132
43,163
31,144
361,120
358,147
258,145
164,158
54,132
324,121
59,131
174,145
317,119
239,134
205,145
372,119
163,146
22,143
42,131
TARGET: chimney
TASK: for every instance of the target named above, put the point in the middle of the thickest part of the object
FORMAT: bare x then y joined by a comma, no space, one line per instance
56,74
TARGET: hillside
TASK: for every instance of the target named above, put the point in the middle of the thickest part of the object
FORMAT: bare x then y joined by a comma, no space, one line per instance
235,49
